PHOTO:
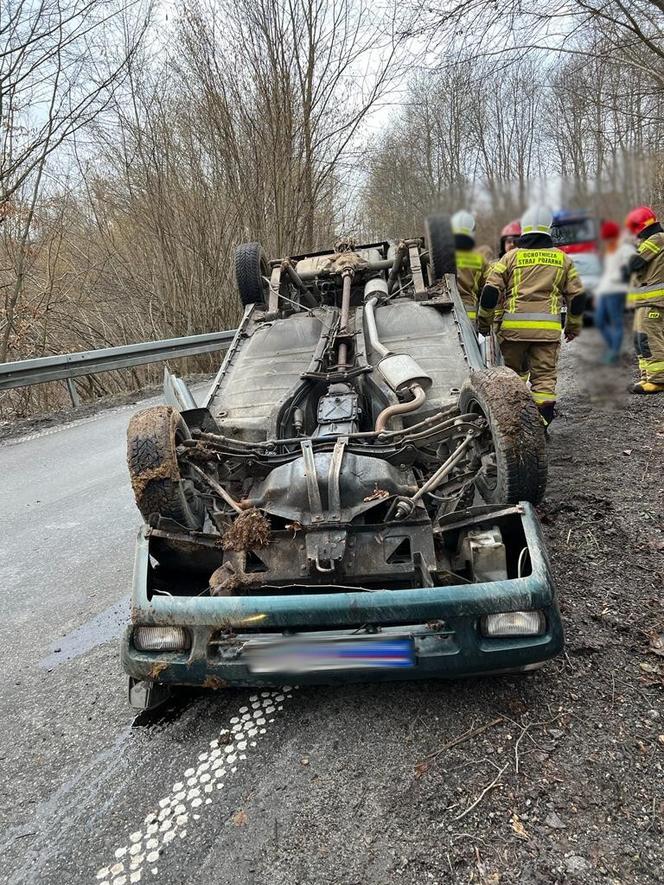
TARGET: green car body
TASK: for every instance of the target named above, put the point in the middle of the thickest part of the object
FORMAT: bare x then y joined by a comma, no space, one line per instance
444,623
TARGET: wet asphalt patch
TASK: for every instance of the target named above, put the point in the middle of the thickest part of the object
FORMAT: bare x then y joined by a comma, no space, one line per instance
104,627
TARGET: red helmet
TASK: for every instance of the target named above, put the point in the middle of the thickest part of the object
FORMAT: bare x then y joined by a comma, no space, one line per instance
639,219
609,230
513,229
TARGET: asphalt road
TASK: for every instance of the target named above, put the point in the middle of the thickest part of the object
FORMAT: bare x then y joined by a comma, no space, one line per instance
297,786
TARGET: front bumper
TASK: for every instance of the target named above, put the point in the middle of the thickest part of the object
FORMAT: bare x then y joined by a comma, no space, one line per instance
442,621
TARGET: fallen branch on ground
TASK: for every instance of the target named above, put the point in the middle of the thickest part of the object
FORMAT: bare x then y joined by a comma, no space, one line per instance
423,766
494,783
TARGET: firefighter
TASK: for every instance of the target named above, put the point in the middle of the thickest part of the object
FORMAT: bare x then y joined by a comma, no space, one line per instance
508,237
646,295
530,284
472,266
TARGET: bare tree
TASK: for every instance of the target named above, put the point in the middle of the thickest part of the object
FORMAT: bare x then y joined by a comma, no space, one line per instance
285,94
428,157
60,61
632,33
468,136
59,64
578,124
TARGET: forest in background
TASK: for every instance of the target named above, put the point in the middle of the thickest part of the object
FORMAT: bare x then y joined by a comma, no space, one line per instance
137,149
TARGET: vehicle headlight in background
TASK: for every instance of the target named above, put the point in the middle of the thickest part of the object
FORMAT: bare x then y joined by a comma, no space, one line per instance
161,638
513,624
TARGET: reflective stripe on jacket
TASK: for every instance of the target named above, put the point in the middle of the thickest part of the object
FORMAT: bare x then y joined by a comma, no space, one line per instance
639,295
531,321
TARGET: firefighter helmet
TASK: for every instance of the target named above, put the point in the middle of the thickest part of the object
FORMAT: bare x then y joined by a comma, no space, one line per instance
537,220
513,229
463,223
639,219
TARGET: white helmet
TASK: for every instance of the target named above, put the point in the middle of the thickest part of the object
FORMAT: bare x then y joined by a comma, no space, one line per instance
463,223
537,220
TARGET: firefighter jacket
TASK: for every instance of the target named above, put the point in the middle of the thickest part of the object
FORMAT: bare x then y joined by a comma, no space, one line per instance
530,286
647,284
472,268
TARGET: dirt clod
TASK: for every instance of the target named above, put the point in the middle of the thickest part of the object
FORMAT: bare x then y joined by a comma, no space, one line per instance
214,682
223,580
239,819
250,531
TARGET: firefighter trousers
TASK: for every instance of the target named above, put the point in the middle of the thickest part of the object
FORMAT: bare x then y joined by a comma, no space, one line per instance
649,342
536,361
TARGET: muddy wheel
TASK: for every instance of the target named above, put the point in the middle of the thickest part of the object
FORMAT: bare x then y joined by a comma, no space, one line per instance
251,270
514,446
159,487
440,244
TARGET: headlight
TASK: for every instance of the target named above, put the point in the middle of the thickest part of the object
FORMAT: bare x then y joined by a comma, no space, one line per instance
161,638
514,624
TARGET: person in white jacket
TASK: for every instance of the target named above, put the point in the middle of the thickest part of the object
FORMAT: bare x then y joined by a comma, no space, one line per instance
612,288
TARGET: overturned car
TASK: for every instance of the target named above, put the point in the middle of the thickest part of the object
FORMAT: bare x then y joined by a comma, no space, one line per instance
353,500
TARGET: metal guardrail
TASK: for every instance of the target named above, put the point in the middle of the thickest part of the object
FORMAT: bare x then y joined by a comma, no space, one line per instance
67,366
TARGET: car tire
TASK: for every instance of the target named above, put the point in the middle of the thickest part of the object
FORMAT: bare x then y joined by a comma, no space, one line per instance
251,270
516,435
159,488
439,241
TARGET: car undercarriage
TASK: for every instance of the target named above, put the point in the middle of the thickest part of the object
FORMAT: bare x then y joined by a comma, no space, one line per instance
352,444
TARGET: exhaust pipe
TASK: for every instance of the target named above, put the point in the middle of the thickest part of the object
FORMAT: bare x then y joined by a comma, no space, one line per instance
419,397
399,370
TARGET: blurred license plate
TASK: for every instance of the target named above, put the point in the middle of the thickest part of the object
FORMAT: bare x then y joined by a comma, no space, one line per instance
307,656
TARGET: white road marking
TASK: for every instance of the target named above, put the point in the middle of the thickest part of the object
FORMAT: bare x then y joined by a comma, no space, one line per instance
80,422
104,411
195,790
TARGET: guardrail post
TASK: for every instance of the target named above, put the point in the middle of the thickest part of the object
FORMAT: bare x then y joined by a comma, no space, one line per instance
73,393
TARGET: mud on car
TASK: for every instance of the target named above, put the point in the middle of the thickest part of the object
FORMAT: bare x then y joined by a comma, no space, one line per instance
354,498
